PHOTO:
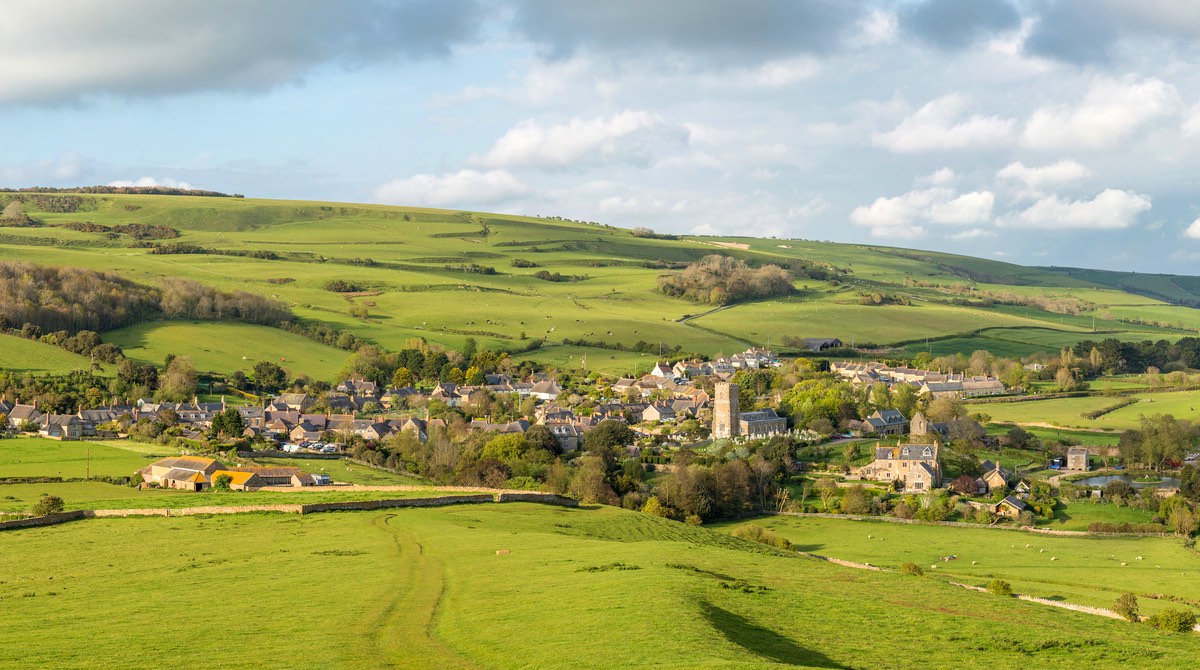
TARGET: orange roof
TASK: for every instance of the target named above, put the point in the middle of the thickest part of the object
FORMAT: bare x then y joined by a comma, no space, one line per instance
237,478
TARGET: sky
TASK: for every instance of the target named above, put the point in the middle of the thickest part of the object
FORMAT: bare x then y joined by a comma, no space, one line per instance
1041,132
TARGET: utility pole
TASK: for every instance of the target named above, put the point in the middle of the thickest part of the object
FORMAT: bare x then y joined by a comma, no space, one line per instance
89,462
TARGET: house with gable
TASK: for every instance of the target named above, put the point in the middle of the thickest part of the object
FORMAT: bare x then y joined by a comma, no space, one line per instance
887,422
916,466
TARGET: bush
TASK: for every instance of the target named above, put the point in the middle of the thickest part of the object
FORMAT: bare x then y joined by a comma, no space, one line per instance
1174,620
762,536
1127,607
912,569
1000,587
47,505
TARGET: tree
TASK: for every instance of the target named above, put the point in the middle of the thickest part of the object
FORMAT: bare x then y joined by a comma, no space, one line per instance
905,398
946,409
402,378
222,482
540,437
608,434
228,423
851,451
654,507
855,501
590,484
179,381
965,484
1127,607
827,488
268,376
47,505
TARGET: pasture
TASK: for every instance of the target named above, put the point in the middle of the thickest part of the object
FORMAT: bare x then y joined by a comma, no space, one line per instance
225,347
41,457
1089,571
20,355
475,586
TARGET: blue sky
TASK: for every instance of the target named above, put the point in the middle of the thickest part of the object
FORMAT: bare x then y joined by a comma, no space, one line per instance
1062,132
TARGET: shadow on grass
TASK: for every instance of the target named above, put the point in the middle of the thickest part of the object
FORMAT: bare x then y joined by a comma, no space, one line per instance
808,548
761,641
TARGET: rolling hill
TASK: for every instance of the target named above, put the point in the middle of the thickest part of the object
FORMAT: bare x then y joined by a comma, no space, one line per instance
449,275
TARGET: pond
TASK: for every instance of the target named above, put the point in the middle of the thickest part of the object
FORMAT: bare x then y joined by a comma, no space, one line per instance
1101,480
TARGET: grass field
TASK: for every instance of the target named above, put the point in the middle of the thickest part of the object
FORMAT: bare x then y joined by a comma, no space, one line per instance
40,457
24,356
419,266
427,588
1068,412
229,346
1083,437
1088,570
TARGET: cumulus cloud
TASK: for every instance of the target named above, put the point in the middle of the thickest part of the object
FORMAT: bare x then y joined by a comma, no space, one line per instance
955,24
704,29
166,182
1036,181
942,124
1111,111
911,213
456,189
1110,210
629,137
1193,231
66,52
940,177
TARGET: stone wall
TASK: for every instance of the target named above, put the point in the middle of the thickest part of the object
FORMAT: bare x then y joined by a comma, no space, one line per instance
543,498
48,520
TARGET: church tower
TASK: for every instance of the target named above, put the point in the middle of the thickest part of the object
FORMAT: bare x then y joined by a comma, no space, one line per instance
725,411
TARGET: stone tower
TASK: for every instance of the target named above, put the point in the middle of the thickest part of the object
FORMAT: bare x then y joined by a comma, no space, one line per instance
725,411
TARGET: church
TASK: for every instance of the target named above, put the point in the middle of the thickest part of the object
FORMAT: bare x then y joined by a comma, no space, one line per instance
729,421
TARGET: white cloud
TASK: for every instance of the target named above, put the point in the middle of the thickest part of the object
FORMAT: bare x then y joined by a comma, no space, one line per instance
165,182
1193,231
1191,125
972,234
777,73
1110,112
1111,210
940,177
1046,176
630,136
909,214
457,189
877,27
941,124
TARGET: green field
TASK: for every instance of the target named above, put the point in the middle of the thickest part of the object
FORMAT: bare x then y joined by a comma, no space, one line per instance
21,355
40,457
427,588
1068,412
218,346
417,268
1087,570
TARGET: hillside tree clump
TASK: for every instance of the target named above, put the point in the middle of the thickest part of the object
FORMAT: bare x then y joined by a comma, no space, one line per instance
721,280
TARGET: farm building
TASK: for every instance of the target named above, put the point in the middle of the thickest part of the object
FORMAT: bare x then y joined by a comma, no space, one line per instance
1077,458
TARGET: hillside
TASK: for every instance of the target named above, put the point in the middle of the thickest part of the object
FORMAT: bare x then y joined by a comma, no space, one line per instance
445,276
505,586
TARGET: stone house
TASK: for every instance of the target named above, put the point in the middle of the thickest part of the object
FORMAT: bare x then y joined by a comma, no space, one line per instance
916,466
60,427
887,422
1010,507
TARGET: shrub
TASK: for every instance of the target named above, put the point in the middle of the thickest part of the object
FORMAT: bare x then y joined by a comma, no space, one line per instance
47,505
1127,607
1174,619
1000,587
762,536
912,569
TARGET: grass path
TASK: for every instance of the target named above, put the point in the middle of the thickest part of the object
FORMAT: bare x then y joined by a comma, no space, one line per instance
403,633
